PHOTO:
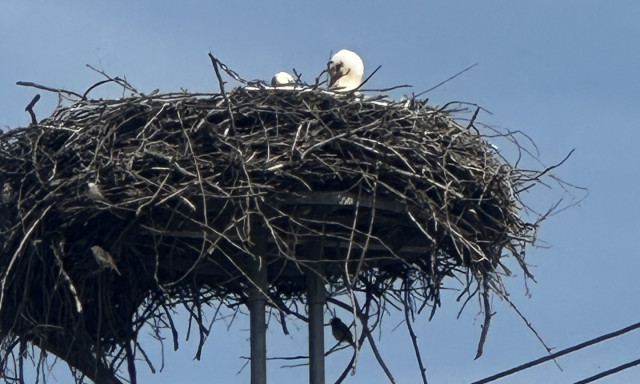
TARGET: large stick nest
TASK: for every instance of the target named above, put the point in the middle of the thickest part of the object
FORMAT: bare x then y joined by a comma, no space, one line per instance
181,190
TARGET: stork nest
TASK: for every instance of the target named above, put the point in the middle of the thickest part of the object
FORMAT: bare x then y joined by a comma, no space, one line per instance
186,193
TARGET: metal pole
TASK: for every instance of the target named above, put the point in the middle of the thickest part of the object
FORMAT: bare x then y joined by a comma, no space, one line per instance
316,300
257,302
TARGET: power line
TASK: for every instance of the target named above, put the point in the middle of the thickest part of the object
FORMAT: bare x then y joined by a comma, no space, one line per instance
609,372
559,353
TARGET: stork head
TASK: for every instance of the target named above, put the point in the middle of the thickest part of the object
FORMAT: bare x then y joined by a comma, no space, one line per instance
345,71
282,79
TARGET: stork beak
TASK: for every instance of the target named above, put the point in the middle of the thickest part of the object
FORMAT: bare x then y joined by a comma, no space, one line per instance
333,79
333,75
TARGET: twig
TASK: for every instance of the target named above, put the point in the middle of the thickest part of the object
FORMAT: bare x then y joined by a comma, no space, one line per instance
549,169
346,370
367,79
414,338
57,252
122,82
16,254
528,324
172,326
387,89
376,352
84,95
487,315
317,82
44,88
447,80
283,322
232,127
131,363
473,119
29,109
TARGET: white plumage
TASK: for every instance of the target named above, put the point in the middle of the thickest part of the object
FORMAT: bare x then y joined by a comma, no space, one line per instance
282,79
345,71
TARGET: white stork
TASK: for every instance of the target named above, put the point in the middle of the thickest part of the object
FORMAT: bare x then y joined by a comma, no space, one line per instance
345,71
282,79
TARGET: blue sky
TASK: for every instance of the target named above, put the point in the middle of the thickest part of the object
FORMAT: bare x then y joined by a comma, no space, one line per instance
565,73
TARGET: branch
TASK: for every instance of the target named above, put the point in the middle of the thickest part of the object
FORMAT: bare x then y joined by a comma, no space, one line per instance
487,316
368,77
528,325
374,348
548,169
388,89
122,82
99,83
18,252
44,88
346,370
29,108
414,338
78,357
447,80
232,127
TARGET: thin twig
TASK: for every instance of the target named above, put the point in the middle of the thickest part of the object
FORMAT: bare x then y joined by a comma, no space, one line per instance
376,353
29,109
45,88
414,338
487,315
446,81
232,126
99,83
367,79
550,168
26,237
122,82
387,89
